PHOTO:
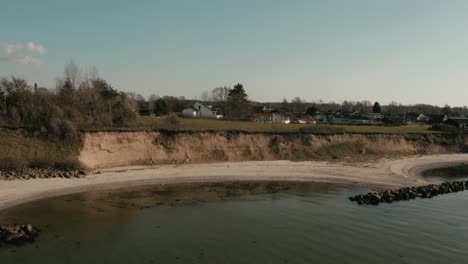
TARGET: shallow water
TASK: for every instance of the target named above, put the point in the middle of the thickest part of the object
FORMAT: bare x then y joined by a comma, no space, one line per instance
241,223
448,173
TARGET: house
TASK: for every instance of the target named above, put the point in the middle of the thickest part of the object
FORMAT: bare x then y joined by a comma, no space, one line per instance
200,111
189,112
280,118
269,115
422,118
459,122
374,116
262,117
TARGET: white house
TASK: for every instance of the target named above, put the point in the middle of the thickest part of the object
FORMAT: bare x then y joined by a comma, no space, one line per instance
203,111
189,112
199,110
280,118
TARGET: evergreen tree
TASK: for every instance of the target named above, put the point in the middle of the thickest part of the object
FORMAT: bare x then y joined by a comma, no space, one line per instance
160,107
238,103
376,108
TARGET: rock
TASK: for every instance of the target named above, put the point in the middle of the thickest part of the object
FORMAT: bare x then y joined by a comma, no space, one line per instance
16,234
29,173
428,191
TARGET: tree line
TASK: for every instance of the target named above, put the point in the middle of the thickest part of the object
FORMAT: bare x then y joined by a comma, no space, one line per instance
79,101
300,106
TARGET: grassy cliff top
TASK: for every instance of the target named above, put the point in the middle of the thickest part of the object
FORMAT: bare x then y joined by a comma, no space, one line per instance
150,123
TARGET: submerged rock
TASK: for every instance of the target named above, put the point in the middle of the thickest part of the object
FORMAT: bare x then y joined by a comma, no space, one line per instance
404,194
17,234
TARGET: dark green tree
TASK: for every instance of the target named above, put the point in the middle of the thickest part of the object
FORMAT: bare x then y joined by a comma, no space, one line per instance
238,103
447,110
376,108
160,107
311,111
108,95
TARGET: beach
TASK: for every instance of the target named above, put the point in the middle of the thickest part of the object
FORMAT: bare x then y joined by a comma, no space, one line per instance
378,175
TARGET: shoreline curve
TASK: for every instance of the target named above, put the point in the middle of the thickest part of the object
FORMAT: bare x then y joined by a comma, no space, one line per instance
378,175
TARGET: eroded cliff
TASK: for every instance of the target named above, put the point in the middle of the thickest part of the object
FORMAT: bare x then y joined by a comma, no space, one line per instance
106,149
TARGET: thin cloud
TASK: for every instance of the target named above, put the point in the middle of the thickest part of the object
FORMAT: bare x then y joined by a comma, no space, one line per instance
37,48
22,54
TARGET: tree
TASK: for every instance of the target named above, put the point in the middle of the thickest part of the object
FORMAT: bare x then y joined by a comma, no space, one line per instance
311,111
238,103
72,73
296,105
160,107
447,110
365,106
219,96
285,104
394,108
151,103
205,96
107,93
376,108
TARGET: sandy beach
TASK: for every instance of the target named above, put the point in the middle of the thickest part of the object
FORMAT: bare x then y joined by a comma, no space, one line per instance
382,174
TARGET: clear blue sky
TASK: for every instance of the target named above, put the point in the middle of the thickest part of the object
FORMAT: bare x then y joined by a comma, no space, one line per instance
393,50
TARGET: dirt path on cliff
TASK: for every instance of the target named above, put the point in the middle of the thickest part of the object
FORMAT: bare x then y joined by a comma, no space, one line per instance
382,174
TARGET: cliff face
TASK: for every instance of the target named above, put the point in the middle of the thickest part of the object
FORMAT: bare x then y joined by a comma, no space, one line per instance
105,149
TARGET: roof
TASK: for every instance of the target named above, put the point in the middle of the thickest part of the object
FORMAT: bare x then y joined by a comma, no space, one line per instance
460,120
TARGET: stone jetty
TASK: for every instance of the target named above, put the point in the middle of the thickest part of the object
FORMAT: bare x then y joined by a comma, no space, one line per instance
404,194
17,234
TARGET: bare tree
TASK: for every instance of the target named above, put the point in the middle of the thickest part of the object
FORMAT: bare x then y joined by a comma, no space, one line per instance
220,94
151,101
72,73
205,96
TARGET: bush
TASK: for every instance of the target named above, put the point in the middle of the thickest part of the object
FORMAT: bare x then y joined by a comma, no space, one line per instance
171,121
444,128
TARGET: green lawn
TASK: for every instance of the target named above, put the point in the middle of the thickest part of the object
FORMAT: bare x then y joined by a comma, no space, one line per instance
184,124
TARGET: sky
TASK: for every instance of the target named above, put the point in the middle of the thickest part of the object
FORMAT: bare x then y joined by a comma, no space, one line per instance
332,50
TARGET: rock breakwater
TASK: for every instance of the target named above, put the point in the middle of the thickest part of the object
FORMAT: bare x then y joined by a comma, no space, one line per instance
404,194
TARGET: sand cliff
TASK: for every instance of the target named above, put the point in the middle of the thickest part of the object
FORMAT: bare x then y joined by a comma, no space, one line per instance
108,149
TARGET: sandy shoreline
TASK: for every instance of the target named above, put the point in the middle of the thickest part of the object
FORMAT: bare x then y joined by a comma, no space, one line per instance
383,174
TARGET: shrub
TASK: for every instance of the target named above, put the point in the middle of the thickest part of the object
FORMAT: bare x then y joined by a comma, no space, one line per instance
172,122
444,128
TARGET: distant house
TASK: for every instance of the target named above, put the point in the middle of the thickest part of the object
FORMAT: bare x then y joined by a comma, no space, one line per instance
459,122
374,116
422,118
189,112
280,118
201,111
269,115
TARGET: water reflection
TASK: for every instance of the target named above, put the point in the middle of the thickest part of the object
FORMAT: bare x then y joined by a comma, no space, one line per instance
453,173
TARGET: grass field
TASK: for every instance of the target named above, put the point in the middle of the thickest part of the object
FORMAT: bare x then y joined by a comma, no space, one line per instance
192,124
